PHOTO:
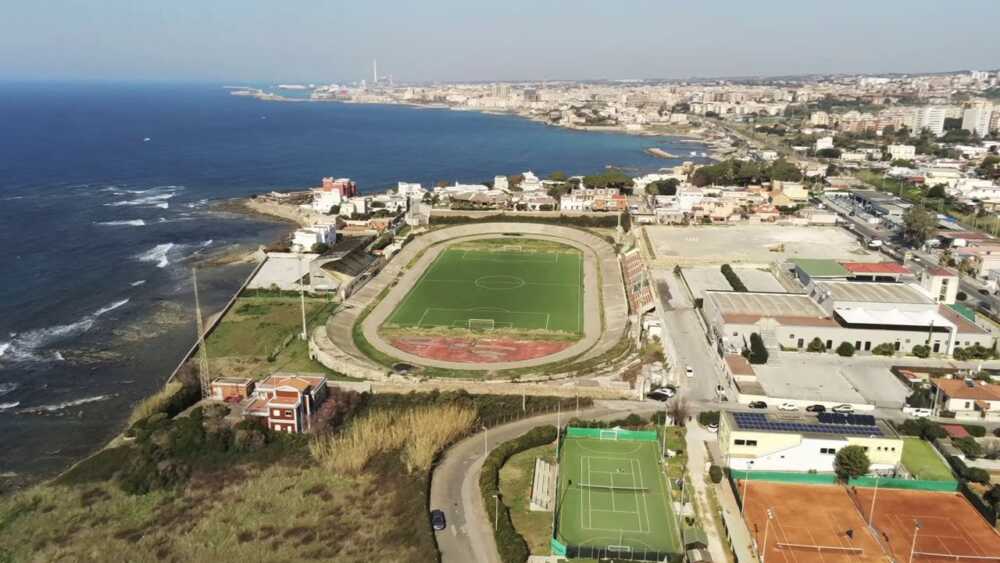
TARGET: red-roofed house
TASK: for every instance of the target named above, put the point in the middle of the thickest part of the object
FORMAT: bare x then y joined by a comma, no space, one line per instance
955,431
969,398
287,402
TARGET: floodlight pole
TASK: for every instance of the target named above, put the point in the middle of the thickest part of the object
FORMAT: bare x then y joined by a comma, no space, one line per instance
871,512
746,487
913,546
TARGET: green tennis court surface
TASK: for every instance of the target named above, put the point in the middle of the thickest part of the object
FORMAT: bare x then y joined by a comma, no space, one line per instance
506,287
613,499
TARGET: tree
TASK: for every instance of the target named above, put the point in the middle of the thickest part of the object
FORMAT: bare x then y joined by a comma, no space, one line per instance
936,192
320,248
816,345
784,171
828,153
851,462
558,176
846,349
757,353
961,296
513,181
919,224
715,474
921,351
663,187
902,163
677,409
610,178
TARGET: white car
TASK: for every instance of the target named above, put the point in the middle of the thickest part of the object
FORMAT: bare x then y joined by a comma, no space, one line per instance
713,428
921,413
689,371
788,407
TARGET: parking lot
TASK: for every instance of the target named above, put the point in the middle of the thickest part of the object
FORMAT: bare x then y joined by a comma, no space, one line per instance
758,244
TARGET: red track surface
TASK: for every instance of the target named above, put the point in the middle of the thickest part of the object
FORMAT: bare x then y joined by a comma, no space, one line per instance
479,350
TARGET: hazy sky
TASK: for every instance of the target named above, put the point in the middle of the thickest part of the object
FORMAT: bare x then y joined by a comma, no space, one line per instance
313,40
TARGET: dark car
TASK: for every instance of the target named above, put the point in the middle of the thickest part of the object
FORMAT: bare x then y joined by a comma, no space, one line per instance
758,405
437,520
816,408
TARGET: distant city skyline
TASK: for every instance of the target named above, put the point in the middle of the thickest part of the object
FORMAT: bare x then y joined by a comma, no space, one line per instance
451,41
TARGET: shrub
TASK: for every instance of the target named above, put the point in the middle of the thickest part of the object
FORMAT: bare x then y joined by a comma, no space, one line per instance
884,349
961,296
157,402
732,278
975,430
510,545
816,345
921,351
977,475
708,417
926,429
418,432
715,473
846,349
758,353
969,446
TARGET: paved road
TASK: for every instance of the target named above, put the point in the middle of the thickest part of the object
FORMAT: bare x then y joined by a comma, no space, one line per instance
455,483
684,335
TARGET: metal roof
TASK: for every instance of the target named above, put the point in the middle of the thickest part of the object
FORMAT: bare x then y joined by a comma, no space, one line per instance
821,268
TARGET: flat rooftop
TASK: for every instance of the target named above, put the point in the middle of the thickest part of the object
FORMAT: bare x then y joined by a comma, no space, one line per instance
821,267
765,304
870,292
825,425
785,377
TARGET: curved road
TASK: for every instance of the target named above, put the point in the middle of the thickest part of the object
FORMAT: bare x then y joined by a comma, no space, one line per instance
455,482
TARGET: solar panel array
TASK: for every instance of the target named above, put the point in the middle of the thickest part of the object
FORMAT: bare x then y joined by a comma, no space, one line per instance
758,421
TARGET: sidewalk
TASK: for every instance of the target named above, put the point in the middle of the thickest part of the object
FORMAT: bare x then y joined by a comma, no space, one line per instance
697,462
739,534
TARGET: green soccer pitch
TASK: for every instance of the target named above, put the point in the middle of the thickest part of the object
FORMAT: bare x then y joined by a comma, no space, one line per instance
514,287
613,499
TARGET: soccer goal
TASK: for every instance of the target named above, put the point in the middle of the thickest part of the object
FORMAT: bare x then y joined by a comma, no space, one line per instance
609,435
482,324
512,248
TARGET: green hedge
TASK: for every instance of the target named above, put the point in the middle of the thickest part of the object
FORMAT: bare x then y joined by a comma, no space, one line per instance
510,545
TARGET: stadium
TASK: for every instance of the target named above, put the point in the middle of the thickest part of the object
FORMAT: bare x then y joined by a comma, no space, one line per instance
501,295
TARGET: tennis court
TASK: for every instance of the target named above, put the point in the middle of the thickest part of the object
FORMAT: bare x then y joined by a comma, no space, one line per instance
807,524
502,286
613,499
950,528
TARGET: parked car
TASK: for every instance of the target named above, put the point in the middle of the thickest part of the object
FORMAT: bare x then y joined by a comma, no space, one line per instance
788,407
758,405
661,394
843,409
816,408
437,520
921,413
689,371
713,427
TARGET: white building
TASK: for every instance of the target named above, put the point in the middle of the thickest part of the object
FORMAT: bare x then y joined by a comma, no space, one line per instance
902,152
304,239
940,284
824,143
500,183
819,119
930,118
409,189
977,119
530,182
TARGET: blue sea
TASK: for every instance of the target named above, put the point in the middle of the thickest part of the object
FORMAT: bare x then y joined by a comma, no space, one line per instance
106,193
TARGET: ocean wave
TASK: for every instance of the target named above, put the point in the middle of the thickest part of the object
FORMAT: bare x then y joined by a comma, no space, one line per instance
137,283
154,199
8,406
123,223
6,388
65,405
25,346
163,205
157,254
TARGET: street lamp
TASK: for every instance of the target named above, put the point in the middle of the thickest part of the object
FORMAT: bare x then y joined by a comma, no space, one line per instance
746,486
916,530
767,525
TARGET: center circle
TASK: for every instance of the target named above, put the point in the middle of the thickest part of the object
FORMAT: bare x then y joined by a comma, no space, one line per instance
499,282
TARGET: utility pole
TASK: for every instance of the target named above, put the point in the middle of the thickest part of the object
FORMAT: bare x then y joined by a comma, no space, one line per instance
302,298
203,376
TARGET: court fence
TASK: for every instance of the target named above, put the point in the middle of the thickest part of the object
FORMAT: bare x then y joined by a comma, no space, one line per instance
792,477
618,553
612,434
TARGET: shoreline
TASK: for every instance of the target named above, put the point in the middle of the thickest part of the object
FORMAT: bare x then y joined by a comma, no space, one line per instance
260,95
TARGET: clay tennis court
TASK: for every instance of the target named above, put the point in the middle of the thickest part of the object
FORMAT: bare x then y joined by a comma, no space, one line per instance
950,527
809,524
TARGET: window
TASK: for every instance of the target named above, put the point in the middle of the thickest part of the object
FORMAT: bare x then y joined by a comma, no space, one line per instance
897,346
740,442
829,344
802,342
857,345
751,442
275,412
968,405
288,413
828,451
868,346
